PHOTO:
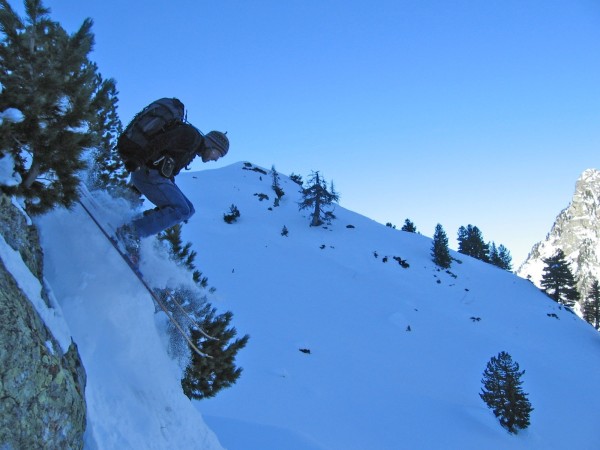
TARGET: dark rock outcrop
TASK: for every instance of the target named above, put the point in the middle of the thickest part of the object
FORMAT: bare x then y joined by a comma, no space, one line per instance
42,399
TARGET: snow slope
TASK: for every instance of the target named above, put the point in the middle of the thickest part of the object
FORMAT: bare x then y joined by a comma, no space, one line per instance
369,382
133,390
396,354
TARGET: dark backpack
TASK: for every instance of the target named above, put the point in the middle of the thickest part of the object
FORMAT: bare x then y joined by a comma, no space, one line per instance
156,118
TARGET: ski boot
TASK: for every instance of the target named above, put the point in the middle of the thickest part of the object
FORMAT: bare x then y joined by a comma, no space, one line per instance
129,242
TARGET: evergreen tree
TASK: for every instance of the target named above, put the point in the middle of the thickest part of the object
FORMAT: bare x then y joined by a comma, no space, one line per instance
500,256
591,308
316,196
276,186
493,253
297,179
463,243
183,254
558,280
409,226
233,215
439,250
45,73
504,258
204,377
503,394
471,243
108,171
194,306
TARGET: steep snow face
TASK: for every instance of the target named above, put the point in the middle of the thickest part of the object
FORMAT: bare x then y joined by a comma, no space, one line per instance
396,354
133,393
577,232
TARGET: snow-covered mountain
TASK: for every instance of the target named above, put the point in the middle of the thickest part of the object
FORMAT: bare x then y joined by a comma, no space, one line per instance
577,232
393,357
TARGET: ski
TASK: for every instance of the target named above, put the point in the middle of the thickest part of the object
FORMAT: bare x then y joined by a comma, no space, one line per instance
88,209
112,232
193,322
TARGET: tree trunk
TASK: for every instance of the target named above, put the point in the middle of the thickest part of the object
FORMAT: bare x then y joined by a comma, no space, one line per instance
34,172
316,218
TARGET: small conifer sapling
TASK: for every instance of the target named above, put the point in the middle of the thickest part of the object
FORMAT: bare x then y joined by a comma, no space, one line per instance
232,215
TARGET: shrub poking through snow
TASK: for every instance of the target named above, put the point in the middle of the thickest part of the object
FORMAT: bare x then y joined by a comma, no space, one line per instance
233,215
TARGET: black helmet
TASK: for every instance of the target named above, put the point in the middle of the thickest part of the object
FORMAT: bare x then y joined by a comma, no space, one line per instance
219,141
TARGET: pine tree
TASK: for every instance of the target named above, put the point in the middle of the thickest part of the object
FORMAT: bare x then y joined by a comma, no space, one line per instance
500,256
296,179
183,254
493,254
316,196
108,171
591,308
45,73
503,394
409,226
439,250
471,243
558,280
504,258
463,242
204,377
233,215
276,186
194,306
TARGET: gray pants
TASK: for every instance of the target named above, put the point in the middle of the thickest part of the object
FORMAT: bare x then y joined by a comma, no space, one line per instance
174,207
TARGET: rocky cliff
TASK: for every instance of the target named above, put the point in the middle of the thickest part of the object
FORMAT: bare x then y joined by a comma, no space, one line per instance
42,401
576,231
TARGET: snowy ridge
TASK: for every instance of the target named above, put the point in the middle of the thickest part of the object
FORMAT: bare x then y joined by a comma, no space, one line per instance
396,354
577,232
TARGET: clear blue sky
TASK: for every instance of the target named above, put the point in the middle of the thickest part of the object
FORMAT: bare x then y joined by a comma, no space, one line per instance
458,112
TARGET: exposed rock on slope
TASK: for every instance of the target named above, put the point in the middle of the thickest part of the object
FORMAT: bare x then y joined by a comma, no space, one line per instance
577,232
42,403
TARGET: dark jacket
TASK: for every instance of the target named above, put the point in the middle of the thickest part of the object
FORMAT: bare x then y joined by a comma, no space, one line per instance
182,143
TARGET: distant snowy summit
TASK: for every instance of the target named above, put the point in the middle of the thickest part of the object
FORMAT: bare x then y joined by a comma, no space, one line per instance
576,231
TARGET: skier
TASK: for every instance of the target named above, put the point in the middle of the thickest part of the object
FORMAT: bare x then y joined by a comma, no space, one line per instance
173,148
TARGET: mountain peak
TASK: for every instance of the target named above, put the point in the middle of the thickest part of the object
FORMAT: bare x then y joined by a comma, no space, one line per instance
590,176
576,231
